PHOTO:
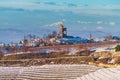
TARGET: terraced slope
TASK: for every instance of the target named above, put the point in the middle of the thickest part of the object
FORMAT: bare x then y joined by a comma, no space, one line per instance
9,73
102,74
46,72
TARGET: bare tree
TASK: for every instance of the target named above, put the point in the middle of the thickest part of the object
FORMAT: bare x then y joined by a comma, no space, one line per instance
54,34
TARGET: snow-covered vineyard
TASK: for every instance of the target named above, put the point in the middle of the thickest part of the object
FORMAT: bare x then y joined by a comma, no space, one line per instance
59,72
46,72
102,74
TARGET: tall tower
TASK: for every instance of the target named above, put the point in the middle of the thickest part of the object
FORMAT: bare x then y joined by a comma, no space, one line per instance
61,30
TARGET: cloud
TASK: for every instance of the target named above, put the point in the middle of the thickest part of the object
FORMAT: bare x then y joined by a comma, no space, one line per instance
50,3
54,24
78,21
99,22
84,22
72,5
112,23
113,6
19,5
99,27
11,30
57,5
100,12
63,20
37,2
11,9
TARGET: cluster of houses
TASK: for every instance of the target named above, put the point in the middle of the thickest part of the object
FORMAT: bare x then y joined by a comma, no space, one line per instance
54,39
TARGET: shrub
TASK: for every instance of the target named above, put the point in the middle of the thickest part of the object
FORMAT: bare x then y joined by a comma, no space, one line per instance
117,48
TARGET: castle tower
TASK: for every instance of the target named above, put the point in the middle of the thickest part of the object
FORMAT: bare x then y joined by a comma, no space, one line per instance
61,30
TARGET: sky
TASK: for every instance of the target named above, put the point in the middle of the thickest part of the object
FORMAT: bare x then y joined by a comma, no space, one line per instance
39,17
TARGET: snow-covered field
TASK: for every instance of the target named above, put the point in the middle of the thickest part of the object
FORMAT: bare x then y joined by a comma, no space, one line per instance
102,74
46,72
108,48
59,72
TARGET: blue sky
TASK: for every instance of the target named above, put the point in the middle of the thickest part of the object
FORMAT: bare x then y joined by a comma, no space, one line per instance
21,17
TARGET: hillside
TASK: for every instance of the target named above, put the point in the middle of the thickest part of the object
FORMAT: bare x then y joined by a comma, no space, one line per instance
46,72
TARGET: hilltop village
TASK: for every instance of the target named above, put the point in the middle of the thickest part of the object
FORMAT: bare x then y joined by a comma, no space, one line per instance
54,38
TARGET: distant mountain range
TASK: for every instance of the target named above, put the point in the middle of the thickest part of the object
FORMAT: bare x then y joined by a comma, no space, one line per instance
95,34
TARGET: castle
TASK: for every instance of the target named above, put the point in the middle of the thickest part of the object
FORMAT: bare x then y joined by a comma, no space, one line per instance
63,31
